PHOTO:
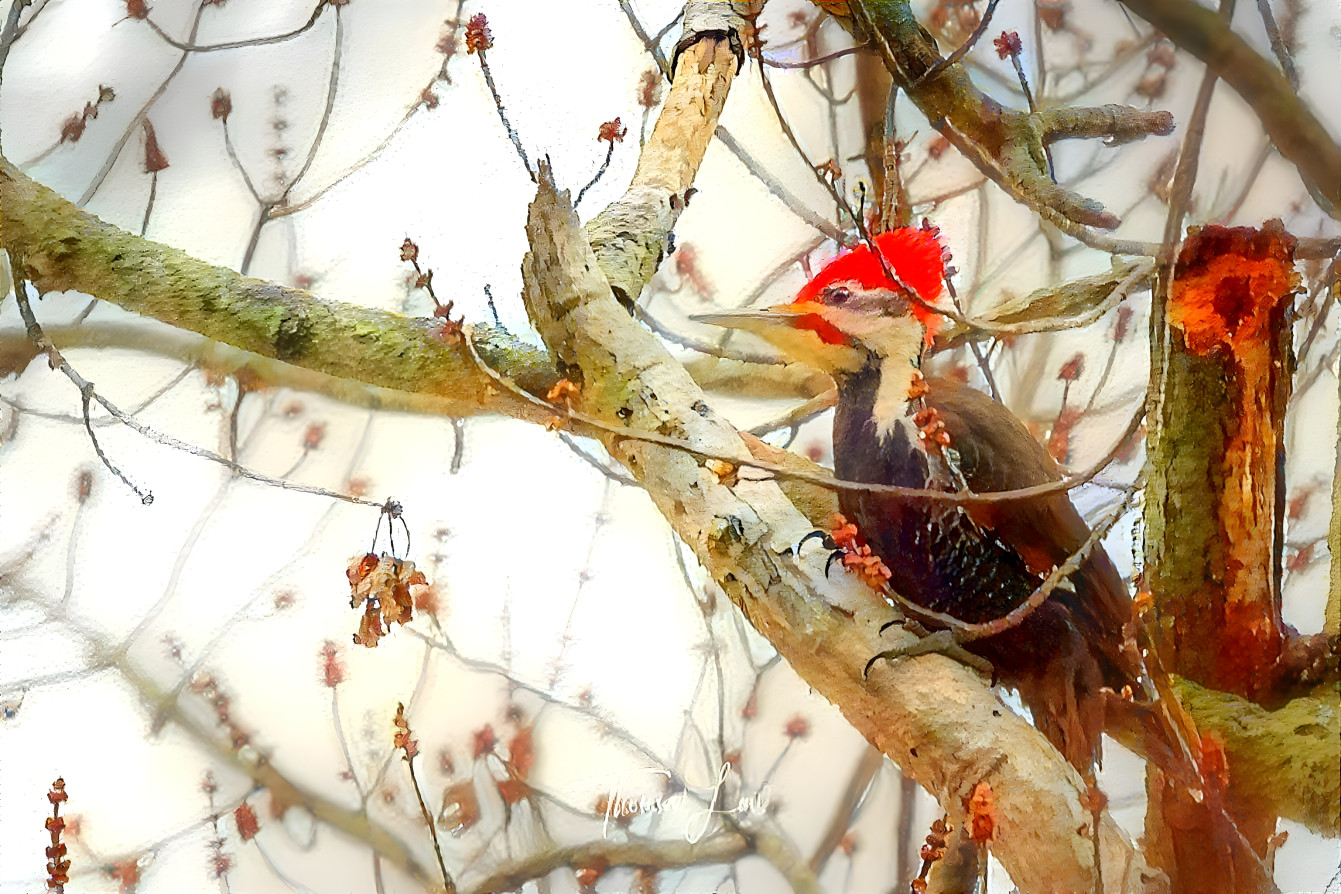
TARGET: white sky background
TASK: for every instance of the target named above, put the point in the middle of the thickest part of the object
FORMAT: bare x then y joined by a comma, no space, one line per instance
548,571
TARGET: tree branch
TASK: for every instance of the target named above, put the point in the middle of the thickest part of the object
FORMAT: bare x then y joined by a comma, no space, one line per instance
1291,757
1006,144
1292,126
931,714
64,248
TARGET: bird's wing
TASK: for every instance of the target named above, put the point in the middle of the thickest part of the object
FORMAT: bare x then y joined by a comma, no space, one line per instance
997,453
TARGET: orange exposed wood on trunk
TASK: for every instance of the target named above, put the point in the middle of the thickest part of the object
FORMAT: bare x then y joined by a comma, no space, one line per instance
1227,307
1214,516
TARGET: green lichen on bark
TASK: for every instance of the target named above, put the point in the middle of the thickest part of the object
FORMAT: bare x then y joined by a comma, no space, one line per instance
1290,758
64,248
1184,545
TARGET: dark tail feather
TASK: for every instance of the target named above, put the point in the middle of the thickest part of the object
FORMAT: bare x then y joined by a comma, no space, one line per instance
1065,693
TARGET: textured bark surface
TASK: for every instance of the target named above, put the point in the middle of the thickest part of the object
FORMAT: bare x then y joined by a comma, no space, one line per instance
1291,755
1213,501
64,248
1214,523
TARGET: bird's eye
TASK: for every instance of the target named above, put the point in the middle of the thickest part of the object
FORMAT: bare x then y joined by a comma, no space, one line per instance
837,295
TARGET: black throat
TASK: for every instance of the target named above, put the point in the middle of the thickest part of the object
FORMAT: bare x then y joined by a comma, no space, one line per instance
860,451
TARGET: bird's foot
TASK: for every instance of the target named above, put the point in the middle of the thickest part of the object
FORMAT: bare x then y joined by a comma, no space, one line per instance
941,642
826,540
848,547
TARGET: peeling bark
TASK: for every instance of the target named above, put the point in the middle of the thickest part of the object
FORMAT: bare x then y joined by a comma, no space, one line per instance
1214,523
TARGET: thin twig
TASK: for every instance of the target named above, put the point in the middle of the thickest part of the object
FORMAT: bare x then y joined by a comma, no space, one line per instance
1062,485
651,44
88,393
1277,44
237,163
332,86
96,183
609,154
1324,283
590,460
962,50
10,32
235,44
432,829
778,188
503,115
149,205
811,63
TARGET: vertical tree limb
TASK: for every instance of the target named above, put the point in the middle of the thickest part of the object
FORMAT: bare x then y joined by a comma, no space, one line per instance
1214,539
1215,521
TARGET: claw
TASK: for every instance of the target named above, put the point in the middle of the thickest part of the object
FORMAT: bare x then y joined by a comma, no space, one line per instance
897,622
866,671
823,536
834,556
827,540
942,642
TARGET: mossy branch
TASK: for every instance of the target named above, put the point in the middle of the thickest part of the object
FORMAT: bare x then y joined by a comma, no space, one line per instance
66,249
1007,145
1290,757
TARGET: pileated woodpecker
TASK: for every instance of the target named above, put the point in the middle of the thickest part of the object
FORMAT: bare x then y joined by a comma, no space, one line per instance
975,561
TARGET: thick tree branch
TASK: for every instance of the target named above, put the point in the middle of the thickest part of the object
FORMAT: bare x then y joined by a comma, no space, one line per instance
1290,757
631,236
64,248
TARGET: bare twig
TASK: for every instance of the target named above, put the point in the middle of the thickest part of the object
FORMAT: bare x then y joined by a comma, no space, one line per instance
1294,130
503,114
969,43
88,394
778,188
811,63
191,47
609,154
98,178
10,32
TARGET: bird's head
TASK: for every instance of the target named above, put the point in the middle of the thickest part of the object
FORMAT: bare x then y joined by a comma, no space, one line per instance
852,311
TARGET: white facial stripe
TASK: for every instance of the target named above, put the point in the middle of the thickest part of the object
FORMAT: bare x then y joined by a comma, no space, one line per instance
897,342
891,396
